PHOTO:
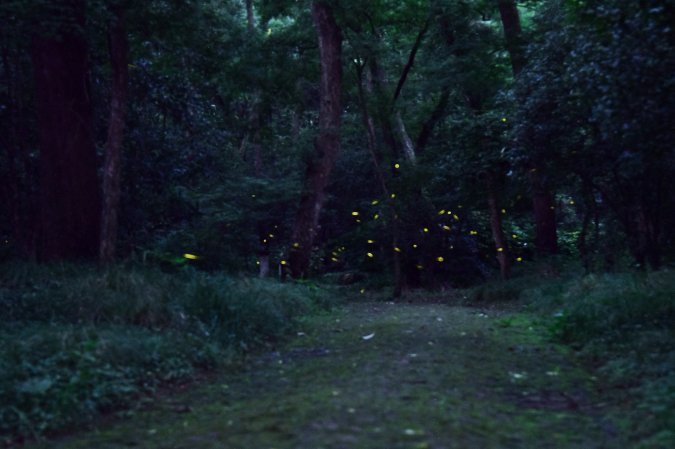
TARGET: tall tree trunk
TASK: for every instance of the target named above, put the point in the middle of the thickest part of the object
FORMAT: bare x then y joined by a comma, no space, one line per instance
70,200
508,10
113,150
250,20
327,143
501,244
543,204
20,204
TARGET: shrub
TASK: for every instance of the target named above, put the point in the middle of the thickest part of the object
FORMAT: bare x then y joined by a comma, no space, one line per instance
76,342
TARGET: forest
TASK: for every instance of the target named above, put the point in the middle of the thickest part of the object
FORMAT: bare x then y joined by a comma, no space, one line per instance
191,188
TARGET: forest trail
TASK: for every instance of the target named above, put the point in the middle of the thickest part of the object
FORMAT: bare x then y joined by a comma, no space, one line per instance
385,376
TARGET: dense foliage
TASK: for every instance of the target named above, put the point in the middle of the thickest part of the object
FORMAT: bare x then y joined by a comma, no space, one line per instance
472,140
77,342
222,114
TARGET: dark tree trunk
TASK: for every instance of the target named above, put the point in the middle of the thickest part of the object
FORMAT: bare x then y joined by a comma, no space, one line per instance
250,20
327,143
543,205
69,199
512,34
16,191
501,245
113,150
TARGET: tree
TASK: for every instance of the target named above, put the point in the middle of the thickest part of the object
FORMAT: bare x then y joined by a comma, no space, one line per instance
111,165
327,143
69,198
543,204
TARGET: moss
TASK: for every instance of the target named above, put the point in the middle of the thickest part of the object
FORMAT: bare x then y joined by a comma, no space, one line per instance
431,376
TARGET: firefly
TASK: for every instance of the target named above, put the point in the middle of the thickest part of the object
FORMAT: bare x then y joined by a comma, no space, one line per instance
296,245
446,227
503,119
425,229
355,214
371,241
514,236
375,202
376,216
393,195
420,267
456,217
440,258
397,249
334,259
283,262
441,212
500,250
371,255
397,165
190,256
473,232
519,259
414,245
503,211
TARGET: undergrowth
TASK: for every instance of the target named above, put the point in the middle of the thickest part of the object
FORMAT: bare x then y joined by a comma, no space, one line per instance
76,342
622,325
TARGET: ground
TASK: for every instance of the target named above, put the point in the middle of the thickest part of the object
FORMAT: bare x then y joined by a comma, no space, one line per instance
385,376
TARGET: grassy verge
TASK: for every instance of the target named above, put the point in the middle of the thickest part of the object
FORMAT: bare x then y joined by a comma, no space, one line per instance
622,325
76,342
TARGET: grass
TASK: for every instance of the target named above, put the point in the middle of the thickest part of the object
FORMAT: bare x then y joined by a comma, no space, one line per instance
77,342
431,376
620,324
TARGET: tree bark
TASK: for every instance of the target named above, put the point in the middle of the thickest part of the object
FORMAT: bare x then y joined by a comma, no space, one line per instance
543,205
250,20
69,199
508,10
111,165
327,143
501,244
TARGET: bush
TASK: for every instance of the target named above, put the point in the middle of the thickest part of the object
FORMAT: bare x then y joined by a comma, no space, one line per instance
623,325
76,342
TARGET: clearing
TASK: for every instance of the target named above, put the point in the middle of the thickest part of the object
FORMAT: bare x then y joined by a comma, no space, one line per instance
384,375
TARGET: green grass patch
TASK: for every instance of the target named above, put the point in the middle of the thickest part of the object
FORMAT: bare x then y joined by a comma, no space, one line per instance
622,325
77,342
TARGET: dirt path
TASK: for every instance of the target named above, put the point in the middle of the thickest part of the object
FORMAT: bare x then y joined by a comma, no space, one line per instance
386,376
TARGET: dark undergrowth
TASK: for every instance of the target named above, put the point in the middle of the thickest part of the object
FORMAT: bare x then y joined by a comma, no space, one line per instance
622,325
77,342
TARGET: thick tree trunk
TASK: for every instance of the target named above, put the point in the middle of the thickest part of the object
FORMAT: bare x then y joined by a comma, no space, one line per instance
501,245
70,200
546,230
508,10
113,150
250,20
327,143
19,202
543,204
